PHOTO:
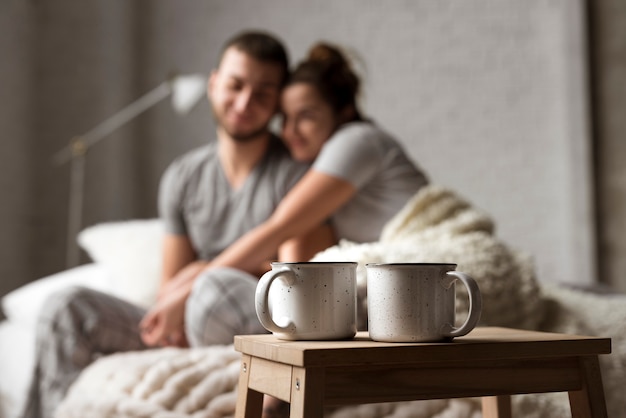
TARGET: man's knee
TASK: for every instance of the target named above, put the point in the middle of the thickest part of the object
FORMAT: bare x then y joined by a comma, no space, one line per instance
220,306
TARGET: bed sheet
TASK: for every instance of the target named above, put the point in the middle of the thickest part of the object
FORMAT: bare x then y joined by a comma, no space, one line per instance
17,344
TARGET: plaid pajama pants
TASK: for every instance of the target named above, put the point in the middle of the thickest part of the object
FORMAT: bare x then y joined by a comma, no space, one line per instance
77,325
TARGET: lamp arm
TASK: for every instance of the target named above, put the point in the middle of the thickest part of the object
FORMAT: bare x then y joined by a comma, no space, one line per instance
109,125
186,91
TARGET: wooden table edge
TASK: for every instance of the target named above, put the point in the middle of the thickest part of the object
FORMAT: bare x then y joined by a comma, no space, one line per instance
483,343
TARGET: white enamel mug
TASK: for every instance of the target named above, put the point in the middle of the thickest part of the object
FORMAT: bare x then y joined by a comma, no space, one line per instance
415,302
308,301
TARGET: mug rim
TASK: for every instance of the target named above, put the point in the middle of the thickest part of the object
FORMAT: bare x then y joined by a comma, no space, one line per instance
408,264
311,263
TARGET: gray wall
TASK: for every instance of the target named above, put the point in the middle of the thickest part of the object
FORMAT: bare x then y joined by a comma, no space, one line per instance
608,22
490,97
487,95
16,149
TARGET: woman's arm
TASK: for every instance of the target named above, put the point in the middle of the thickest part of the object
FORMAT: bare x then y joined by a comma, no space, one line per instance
304,247
309,204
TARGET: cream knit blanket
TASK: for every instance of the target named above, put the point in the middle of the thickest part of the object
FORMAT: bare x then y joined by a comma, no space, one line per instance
435,226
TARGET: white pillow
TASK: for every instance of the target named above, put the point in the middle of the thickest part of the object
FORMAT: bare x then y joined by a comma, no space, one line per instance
24,303
130,251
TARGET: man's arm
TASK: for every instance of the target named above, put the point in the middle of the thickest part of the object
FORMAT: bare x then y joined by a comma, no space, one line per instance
163,324
177,252
179,263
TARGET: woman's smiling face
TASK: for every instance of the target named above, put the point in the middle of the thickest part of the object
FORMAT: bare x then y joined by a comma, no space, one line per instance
308,121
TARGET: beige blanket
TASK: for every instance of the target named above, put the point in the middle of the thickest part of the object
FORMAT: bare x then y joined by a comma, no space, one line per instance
435,226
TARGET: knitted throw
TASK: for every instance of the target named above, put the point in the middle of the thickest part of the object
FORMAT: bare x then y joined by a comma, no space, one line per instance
435,226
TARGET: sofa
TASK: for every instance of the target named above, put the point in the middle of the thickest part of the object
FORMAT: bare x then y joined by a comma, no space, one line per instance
437,225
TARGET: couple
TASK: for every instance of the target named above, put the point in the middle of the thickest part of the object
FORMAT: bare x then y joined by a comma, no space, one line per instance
237,203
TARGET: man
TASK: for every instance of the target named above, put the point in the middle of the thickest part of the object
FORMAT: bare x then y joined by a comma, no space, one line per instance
208,198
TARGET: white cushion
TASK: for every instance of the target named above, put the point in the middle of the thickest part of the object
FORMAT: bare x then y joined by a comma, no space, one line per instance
130,251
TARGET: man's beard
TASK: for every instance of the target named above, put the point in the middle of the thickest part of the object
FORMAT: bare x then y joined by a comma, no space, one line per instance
241,137
249,136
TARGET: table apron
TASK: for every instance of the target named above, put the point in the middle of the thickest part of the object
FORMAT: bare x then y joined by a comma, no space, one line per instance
352,385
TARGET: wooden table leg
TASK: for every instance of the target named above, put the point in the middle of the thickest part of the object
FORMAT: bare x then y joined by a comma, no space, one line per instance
307,393
589,402
497,406
249,402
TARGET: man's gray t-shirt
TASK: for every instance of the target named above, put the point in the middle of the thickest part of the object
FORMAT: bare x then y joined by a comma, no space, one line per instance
195,198
378,167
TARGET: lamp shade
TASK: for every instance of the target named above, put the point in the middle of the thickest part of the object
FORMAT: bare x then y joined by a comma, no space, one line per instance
187,90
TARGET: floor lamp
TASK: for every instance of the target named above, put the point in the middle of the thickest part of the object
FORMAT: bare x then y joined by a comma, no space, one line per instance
185,91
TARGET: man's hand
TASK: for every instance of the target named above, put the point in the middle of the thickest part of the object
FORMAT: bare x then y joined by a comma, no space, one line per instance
164,325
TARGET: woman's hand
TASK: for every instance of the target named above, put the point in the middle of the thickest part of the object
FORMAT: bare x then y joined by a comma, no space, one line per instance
184,277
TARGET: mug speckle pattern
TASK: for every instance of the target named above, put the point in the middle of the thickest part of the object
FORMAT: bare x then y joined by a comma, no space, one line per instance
410,302
320,304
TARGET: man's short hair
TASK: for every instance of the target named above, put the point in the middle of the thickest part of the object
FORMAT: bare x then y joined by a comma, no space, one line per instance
261,46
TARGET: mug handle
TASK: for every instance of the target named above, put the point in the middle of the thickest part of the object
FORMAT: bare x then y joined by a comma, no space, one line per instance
475,305
261,300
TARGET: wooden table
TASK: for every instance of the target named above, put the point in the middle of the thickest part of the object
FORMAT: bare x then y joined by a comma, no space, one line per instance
492,363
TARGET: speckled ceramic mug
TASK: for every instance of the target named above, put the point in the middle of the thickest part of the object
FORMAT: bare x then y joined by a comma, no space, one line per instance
308,301
415,302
